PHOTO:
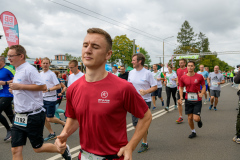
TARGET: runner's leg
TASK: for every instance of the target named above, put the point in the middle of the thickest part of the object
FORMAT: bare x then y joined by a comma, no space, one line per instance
174,90
17,153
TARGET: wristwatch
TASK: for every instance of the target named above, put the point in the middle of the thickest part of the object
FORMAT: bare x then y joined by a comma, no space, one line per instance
48,89
6,83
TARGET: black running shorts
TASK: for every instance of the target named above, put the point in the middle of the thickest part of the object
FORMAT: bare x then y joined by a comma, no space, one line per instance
33,131
193,107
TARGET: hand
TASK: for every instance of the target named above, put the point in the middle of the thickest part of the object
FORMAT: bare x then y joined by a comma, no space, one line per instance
200,94
142,92
15,86
219,83
127,153
177,83
60,94
10,90
45,91
180,101
60,142
209,84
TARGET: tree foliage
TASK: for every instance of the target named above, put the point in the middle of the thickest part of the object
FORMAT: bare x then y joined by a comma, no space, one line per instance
122,50
147,57
69,57
197,43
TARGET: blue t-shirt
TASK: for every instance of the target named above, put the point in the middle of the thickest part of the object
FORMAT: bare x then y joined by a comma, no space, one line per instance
205,75
6,74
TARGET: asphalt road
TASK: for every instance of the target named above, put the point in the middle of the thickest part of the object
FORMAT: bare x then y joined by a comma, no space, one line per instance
167,140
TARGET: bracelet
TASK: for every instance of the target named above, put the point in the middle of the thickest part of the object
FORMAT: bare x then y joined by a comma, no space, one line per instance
6,83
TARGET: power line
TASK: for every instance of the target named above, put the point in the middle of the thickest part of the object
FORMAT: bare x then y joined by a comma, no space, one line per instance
111,19
107,21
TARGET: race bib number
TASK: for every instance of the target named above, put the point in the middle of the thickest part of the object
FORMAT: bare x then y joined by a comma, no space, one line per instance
21,120
215,84
192,97
88,156
170,84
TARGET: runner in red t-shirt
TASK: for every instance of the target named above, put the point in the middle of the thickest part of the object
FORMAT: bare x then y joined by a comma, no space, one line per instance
180,72
193,97
97,104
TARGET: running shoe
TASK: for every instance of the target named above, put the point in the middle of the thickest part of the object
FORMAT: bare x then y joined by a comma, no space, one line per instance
192,135
210,107
215,109
154,108
8,136
166,109
205,102
67,154
234,138
238,140
200,124
180,120
143,148
50,137
163,103
175,107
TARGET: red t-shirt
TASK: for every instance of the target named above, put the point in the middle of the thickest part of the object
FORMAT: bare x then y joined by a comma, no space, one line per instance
180,73
192,84
101,108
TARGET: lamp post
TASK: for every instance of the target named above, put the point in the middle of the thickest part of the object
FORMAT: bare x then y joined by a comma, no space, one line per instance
163,50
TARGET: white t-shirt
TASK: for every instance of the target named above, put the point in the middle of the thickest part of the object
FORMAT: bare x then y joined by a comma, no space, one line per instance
156,76
170,82
116,74
50,80
25,100
72,78
142,79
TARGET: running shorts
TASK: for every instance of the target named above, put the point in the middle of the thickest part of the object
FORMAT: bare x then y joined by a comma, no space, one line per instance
193,107
215,93
50,108
33,131
158,93
178,95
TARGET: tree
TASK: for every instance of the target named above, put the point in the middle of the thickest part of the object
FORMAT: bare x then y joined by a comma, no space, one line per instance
147,57
69,57
186,36
6,51
122,50
202,43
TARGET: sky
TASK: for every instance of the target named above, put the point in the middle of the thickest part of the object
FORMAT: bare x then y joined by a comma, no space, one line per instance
47,29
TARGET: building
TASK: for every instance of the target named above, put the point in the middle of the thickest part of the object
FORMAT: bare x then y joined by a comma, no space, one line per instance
60,57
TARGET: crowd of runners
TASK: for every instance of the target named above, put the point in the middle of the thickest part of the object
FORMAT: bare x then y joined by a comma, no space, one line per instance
97,101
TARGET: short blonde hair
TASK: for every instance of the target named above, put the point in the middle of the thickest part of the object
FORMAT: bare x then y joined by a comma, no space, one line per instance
46,58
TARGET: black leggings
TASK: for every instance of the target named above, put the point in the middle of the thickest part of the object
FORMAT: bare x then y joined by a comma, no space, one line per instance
169,91
6,106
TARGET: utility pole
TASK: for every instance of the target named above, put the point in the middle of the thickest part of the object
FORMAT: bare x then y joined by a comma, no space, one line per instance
163,50
133,46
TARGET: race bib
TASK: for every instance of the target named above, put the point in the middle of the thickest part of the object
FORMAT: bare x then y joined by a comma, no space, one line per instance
89,156
170,84
214,84
21,120
192,97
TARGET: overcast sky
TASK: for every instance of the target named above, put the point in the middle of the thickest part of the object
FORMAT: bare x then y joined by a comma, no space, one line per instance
47,29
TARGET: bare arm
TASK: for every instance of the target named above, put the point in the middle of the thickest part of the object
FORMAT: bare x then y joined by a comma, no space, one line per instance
70,127
30,87
208,81
141,129
150,90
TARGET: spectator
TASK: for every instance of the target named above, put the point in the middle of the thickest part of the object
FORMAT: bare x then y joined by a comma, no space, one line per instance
123,74
37,63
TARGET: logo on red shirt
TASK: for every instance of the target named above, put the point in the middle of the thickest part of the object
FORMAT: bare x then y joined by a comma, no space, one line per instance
104,94
196,81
